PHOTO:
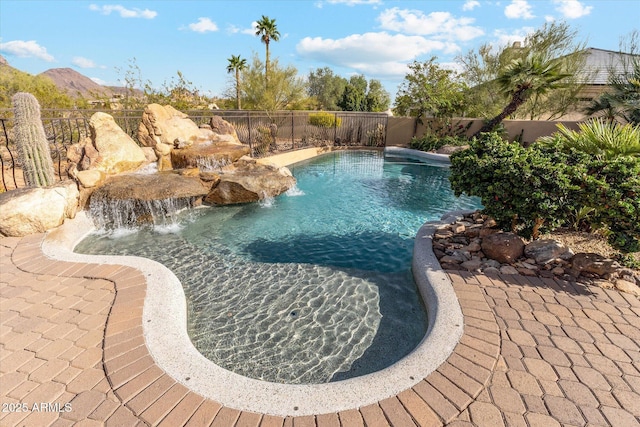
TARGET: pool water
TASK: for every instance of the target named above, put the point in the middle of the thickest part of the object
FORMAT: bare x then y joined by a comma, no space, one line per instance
312,286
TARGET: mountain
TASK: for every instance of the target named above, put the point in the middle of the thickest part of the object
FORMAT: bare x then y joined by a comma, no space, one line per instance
76,84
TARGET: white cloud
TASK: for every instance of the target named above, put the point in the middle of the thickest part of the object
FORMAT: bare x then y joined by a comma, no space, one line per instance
123,11
572,8
99,81
83,62
470,5
203,25
436,24
518,9
371,53
506,39
26,49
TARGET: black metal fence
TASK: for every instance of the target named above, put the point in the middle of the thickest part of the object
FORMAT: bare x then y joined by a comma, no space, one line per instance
266,133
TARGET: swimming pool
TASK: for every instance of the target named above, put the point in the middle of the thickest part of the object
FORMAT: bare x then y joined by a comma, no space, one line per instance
311,287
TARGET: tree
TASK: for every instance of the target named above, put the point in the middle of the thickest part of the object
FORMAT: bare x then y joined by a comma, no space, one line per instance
429,89
377,98
555,40
286,89
523,79
622,100
326,88
267,30
237,64
354,95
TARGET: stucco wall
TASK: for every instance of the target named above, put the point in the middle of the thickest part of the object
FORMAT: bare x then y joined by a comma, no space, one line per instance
400,129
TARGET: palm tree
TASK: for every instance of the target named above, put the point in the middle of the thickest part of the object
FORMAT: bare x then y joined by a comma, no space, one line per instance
267,30
237,64
522,78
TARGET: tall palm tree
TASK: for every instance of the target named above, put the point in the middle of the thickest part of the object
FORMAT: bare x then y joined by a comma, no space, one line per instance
267,30
523,78
237,64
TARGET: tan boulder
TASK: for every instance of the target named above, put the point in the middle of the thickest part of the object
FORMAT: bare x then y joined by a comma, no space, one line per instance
166,125
90,178
36,210
249,182
503,247
118,152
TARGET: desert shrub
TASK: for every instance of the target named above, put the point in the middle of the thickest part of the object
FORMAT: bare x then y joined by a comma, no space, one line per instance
598,137
325,120
536,189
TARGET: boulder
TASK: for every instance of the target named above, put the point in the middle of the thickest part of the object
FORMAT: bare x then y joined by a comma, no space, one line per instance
117,151
148,187
223,127
503,247
628,287
546,250
207,157
135,199
248,181
36,210
594,263
164,128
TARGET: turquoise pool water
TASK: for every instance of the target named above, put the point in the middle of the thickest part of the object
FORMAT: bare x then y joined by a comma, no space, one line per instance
314,285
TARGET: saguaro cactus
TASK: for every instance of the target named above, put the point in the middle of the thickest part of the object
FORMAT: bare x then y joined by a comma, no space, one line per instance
31,141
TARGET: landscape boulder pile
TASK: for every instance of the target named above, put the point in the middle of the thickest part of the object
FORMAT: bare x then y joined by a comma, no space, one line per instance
474,243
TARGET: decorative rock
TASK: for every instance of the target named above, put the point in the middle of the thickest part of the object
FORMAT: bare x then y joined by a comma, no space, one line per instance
546,250
594,263
628,287
118,152
472,247
449,259
491,263
36,210
91,178
526,271
223,127
472,265
503,247
208,157
558,271
250,182
507,269
458,228
487,232
158,186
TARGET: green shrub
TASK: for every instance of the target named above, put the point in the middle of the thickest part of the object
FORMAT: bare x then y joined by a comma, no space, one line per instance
530,190
325,120
598,137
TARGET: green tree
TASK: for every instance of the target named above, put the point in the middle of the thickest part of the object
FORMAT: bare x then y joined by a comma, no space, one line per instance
286,89
355,94
377,98
13,81
429,89
267,30
326,88
236,65
523,79
555,40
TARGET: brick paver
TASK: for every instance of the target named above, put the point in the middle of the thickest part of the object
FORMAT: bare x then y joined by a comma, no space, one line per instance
535,352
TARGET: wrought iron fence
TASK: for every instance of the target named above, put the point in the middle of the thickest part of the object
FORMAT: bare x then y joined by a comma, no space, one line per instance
266,133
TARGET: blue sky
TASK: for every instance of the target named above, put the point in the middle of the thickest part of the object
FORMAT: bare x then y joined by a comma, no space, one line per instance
377,38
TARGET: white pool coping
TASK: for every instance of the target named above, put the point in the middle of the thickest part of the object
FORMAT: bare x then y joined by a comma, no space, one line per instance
165,332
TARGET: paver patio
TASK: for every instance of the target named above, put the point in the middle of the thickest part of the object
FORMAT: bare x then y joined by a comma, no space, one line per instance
535,352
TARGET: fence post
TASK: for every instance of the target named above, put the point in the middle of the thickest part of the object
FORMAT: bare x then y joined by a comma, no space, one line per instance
249,127
293,139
